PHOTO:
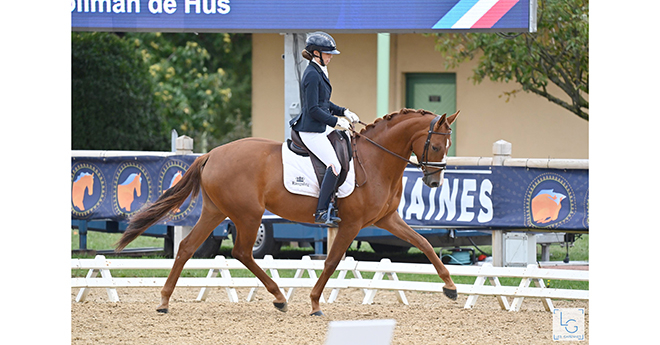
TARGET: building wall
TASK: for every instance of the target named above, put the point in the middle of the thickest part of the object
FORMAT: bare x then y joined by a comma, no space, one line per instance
536,127
268,86
352,73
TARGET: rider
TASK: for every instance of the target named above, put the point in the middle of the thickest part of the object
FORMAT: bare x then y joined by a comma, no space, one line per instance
316,120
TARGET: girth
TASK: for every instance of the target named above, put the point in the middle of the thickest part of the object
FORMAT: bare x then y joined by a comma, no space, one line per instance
340,142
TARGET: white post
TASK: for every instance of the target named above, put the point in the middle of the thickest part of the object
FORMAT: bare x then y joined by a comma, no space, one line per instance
501,152
174,136
497,239
184,146
294,66
180,232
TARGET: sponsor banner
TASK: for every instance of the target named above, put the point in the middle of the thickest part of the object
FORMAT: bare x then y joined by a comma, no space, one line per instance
465,198
296,16
498,198
115,188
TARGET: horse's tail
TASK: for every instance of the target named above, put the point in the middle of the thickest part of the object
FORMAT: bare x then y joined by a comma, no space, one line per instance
172,198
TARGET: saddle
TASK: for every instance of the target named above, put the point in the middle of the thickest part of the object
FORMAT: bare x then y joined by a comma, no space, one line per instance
340,142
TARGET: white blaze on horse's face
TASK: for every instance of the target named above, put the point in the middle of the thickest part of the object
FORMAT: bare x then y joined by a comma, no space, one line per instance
441,175
435,177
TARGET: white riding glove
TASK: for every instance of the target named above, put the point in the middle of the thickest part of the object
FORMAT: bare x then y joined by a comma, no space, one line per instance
342,123
351,116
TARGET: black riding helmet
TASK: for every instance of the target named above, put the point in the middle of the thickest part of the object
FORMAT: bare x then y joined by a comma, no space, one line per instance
322,42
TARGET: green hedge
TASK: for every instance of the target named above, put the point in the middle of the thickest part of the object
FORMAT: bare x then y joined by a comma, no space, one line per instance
113,107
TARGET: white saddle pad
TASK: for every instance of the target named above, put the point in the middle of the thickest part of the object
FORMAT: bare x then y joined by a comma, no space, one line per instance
299,176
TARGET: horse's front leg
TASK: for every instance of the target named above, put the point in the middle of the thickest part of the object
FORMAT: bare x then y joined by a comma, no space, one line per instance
398,227
343,240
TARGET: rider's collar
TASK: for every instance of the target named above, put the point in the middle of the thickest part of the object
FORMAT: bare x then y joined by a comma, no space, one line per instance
323,68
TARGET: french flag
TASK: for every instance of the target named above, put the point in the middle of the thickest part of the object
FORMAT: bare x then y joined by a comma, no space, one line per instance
475,14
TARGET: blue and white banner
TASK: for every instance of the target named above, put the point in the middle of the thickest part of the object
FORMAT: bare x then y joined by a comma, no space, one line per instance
464,198
300,16
114,188
497,197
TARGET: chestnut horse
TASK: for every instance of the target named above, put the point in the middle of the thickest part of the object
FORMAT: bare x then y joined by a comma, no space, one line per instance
242,179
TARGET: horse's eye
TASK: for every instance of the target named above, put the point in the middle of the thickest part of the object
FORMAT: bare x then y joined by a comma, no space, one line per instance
435,148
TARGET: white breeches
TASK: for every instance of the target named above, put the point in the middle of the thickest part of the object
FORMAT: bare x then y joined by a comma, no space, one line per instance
319,144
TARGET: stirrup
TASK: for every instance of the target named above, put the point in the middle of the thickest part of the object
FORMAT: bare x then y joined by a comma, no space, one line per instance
321,217
327,217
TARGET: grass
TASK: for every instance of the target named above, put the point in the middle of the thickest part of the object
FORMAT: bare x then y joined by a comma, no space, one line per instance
105,241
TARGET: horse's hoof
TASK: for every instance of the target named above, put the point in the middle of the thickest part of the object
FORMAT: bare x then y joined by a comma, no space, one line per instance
317,313
283,307
162,310
452,294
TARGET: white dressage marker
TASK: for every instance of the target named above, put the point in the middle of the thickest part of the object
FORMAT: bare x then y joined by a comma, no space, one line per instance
360,332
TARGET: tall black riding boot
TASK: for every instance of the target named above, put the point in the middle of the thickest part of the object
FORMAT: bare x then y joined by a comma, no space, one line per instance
324,210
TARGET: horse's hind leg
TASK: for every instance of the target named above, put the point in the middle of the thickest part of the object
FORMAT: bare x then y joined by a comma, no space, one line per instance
246,234
209,220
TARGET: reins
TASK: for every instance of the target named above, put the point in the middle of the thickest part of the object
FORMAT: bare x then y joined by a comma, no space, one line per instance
382,147
423,165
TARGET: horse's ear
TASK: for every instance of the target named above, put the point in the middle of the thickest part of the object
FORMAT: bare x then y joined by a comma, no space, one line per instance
452,118
443,118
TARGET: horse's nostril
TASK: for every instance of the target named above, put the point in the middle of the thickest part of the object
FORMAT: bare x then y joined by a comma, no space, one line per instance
434,184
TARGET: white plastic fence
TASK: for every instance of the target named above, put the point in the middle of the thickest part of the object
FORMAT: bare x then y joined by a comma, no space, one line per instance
221,266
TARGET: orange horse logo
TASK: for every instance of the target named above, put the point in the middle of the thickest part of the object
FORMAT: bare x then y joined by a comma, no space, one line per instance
175,179
546,206
85,181
126,190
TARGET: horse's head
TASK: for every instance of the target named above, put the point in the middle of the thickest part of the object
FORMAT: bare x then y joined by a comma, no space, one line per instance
138,184
90,186
431,146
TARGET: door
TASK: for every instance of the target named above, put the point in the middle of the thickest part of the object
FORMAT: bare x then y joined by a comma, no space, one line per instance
434,92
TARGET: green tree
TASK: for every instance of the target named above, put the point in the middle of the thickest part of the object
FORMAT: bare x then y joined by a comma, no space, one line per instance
558,53
113,106
202,93
232,53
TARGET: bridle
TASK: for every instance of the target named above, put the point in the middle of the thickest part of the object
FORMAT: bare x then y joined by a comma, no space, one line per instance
424,164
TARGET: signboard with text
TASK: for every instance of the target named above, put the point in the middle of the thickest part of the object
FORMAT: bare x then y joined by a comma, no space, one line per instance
282,16
490,197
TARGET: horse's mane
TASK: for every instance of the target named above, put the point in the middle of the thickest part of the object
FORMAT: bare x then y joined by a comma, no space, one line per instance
130,179
389,117
84,174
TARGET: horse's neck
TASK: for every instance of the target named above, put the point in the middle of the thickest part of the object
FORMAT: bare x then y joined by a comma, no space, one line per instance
84,182
397,137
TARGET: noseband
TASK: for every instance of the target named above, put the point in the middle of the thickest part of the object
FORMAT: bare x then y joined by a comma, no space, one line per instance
424,164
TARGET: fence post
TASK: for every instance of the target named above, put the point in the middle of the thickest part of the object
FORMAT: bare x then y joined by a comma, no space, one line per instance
184,146
174,136
501,152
